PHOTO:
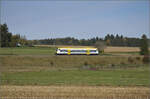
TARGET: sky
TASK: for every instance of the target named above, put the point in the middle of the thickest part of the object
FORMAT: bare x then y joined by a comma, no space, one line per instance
80,19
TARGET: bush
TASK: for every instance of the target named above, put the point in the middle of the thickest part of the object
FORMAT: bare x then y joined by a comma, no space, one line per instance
51,63
130,60
122,63
146,59
138,58
112,65
85,63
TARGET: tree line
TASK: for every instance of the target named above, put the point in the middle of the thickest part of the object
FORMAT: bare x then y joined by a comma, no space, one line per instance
109,40
10,40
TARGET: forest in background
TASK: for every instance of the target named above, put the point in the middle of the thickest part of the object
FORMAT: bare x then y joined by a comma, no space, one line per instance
109,40
10,40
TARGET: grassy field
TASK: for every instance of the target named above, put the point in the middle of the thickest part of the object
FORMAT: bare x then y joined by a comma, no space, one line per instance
50,50
37,65
28,51
40,62
118,73
136,77
74,70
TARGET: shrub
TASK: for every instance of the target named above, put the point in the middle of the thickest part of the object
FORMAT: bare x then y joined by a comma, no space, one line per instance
52,63
85,63
112,65
138,58
146,59
122,63
130,60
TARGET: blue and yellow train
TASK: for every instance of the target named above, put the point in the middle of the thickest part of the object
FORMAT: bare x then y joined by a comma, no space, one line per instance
77,51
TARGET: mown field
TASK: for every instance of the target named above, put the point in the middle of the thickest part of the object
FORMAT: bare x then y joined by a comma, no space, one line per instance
29,68
28,51
78,77
50,50
74,92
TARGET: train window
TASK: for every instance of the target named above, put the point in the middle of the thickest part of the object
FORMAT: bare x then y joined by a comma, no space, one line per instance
74,51
84,50
63,51
78,50
92,50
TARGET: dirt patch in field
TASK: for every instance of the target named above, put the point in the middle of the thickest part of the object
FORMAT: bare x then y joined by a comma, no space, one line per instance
75,92
122,49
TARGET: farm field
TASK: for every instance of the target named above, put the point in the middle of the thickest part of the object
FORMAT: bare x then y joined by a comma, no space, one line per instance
50,50
53,70
135,77
122,49
34,63
74,70
28,51
37,70
74,92
67,49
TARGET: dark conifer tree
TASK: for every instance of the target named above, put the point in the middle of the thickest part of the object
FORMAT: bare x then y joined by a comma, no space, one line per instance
144,45
5,36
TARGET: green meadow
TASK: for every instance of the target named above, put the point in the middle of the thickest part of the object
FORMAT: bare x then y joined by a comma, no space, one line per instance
27,51
128,77
40,66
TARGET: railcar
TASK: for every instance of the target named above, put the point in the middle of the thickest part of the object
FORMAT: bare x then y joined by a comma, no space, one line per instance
77,51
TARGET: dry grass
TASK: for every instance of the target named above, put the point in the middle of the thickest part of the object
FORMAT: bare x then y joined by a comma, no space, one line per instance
107,49
29,62
122,49
76,92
